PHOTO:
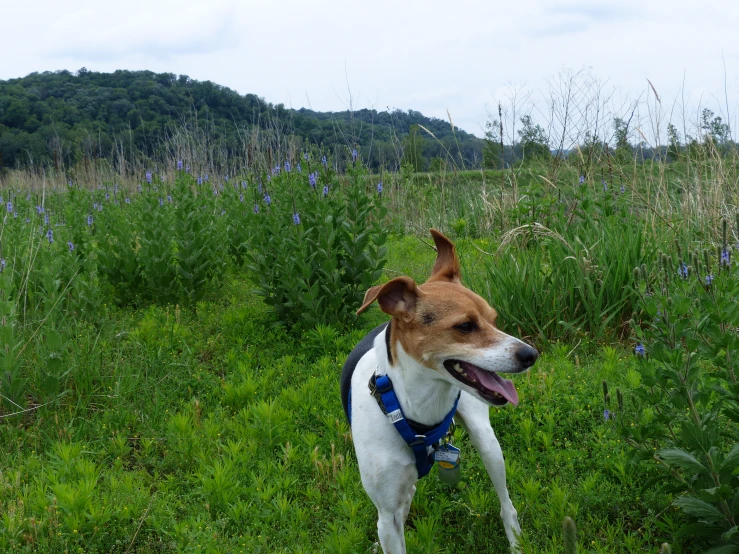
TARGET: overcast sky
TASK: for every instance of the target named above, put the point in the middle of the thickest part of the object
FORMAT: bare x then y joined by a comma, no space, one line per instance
432,56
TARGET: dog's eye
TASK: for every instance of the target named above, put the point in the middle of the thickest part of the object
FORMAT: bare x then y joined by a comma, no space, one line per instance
466,327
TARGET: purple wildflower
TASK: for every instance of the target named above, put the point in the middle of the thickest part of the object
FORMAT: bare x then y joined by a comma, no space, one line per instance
354,155
725,257
100,207
39,210
50,236
2,264
243,185
606,414
200,180
115,189
148,177
306,156
71,246
605,185
241,197
107,196
709,280
683,270
300,169
169,198
256,208
90,220
267,199
226,178
161,202
623,189
187,168
324,162
287,167
312,180
70,182
179,165
15,214
582,179
46,219
259,188
206,177
128,200
325,190
296,218
639,349
10,206
379,187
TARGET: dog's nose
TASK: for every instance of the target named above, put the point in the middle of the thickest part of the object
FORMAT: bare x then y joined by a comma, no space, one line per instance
526,356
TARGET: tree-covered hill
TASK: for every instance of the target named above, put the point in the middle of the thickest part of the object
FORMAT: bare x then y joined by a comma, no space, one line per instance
61,118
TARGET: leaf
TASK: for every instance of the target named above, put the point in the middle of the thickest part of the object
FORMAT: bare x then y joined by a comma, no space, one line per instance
731,460
698,508
723,549
682,459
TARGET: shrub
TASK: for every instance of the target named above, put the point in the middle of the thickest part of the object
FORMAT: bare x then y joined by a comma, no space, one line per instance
683,418
317,244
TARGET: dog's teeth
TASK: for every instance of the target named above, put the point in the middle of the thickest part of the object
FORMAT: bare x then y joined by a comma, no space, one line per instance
457,368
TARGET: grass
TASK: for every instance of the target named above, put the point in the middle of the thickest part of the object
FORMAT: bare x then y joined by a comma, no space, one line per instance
210,430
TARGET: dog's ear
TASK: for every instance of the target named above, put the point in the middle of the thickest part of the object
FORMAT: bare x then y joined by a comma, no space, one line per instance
446,267
397,298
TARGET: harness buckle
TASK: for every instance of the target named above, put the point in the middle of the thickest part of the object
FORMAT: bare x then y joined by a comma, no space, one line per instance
419,440
382,389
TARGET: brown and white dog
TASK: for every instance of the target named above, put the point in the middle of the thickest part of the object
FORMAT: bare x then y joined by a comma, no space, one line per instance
442,339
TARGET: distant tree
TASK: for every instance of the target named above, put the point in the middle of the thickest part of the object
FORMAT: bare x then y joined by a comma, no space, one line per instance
714,127
534,141
437,165
492,154
624,151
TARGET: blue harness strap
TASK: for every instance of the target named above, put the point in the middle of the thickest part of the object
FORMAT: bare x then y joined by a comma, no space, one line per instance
419,443
419,437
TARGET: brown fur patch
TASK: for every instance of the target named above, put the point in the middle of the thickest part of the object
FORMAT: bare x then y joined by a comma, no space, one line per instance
452,304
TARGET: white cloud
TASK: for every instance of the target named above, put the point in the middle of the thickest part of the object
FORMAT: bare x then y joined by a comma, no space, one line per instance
428,56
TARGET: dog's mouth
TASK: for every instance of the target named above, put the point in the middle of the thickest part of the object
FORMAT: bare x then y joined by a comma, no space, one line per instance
489,385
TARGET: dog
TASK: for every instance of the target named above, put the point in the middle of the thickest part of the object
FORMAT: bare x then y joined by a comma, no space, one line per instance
440,356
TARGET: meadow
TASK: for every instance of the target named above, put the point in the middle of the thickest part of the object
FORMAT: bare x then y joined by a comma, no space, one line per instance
171,342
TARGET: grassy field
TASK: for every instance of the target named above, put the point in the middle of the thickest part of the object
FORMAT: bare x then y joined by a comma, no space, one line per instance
152,401
211,430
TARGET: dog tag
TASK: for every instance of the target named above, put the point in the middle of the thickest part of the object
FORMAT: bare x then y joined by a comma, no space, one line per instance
447,458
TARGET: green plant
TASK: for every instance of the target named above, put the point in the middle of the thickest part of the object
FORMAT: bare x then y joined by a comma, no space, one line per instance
317,246
683,418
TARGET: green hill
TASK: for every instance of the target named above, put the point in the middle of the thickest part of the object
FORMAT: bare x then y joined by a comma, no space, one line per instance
61,118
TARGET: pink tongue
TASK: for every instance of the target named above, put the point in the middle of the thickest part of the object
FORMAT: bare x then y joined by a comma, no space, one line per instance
495,382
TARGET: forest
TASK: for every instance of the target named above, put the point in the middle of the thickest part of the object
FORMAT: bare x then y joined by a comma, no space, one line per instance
62,118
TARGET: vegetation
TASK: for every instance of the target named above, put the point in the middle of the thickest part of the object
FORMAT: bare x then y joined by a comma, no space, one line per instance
172,329
64,118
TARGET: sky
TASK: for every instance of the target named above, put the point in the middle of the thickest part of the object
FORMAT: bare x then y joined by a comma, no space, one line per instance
450,58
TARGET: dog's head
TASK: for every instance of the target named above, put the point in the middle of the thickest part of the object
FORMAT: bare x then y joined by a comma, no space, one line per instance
449,329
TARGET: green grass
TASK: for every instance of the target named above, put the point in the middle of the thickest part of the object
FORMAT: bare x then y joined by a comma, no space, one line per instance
211,430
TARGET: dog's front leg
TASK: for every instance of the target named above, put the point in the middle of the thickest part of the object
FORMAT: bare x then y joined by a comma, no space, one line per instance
392,492
476,419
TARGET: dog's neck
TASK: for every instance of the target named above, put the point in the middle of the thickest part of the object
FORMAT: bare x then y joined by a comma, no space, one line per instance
423,394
